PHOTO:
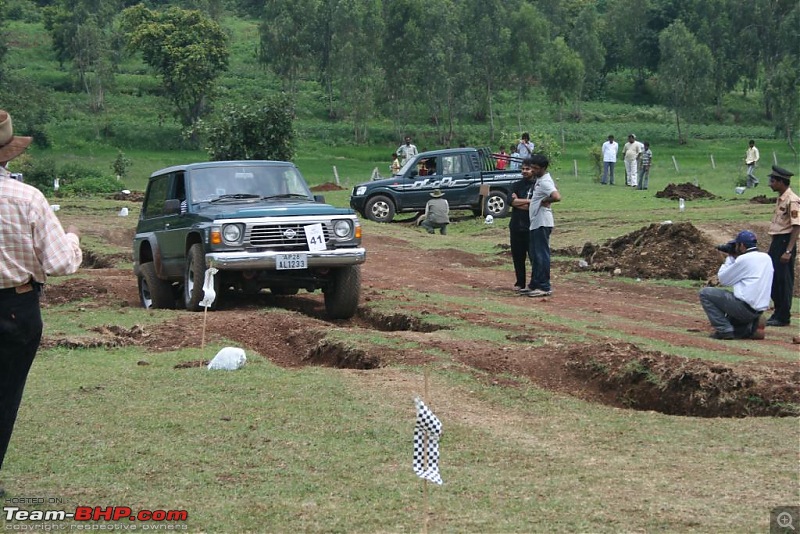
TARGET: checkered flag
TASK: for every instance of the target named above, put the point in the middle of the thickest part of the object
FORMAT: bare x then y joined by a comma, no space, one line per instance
427,432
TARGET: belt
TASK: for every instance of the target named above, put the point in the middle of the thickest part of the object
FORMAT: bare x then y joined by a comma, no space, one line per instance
19,290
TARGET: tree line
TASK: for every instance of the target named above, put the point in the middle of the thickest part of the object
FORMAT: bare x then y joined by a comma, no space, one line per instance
440,62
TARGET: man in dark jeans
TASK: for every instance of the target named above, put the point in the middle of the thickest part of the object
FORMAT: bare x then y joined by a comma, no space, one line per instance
519,227
35,246
784,229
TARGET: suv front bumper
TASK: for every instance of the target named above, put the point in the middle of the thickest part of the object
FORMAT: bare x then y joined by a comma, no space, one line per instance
242,261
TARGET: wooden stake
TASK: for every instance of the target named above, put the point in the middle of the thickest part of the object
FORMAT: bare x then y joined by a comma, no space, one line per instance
713,165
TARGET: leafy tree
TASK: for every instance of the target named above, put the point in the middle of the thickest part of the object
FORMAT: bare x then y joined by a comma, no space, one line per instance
82,35
629,39
289,39
489,45
524,62
403,57
187,49
562,76
714,22
261,131
357,26
783,90
683,71
585,40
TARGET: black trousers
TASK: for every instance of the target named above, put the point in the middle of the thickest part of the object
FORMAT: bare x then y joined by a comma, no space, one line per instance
520,241
782,278
20,334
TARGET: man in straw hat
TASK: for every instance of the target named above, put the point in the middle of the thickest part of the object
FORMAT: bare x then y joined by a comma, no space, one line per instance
437,213
33,245
784,229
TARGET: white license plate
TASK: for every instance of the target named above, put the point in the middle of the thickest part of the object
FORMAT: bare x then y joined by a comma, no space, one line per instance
291,261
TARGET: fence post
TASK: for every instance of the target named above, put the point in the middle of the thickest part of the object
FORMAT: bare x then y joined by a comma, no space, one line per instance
336,174
713,165
675,162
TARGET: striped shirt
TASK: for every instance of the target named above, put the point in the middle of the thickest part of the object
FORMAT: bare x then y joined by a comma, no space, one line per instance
647,157
33,244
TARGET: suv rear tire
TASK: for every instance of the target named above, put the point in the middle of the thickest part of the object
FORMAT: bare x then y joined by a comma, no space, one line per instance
342,292
194,278
153,291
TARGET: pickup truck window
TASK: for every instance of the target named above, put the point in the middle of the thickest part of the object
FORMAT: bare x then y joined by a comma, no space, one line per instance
456,164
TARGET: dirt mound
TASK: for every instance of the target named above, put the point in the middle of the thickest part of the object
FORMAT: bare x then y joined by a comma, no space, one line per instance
133,196
685,191
763,199
651,380
672,251
327,186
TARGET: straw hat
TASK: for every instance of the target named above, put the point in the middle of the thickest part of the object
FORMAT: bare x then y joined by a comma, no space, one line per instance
11,146
437,193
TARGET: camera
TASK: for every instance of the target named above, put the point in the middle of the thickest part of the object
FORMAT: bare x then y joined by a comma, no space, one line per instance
727,248
17,176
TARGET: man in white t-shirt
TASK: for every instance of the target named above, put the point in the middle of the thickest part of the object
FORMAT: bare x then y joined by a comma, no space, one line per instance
406,151
631,152
609,151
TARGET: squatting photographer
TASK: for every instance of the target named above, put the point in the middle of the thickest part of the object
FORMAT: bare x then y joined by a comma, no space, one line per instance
738,314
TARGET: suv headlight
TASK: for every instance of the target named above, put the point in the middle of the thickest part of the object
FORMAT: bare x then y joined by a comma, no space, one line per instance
360,190
232,234
342,229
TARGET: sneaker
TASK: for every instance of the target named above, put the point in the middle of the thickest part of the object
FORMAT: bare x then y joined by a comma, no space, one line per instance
517,289
722,335
538,293
525,291
776,322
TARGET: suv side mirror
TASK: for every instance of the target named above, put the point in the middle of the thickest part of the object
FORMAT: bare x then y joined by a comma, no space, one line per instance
319,198
413,173
172,206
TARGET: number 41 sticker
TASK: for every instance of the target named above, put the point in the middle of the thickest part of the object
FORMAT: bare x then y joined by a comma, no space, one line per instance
315,237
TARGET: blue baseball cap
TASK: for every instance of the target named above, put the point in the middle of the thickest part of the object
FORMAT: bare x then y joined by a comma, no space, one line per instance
746,237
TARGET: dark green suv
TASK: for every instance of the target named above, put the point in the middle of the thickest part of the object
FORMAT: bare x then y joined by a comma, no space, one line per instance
258,223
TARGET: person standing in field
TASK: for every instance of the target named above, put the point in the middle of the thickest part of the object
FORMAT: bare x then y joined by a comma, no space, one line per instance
520,226
501,159
751,157
630,155
784,229
541,214
609,150
525,147
647,159
406,151
395,166
33,246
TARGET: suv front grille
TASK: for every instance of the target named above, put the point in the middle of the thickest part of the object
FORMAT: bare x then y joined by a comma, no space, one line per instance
281,236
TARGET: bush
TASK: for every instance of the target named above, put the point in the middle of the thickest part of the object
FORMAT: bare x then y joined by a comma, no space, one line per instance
91,185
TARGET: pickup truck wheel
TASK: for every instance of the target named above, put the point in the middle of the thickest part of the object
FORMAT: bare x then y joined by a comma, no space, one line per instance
342,292
497,204
380,209
153,291
194,278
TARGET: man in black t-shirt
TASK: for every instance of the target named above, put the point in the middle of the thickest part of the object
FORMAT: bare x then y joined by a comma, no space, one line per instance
519,227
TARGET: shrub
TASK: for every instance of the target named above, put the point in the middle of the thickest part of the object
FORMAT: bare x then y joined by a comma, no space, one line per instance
91,185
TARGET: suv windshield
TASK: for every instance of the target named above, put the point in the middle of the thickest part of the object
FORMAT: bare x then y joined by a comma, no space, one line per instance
231,183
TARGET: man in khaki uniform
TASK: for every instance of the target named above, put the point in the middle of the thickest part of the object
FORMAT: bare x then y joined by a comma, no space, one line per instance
784,229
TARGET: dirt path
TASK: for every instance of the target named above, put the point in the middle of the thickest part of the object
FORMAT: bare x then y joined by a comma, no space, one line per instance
596,338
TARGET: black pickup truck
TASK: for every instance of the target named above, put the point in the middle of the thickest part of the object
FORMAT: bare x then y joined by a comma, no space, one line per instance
458,172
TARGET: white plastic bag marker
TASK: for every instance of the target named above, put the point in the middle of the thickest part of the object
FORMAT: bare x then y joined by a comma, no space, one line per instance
209,295
228,359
